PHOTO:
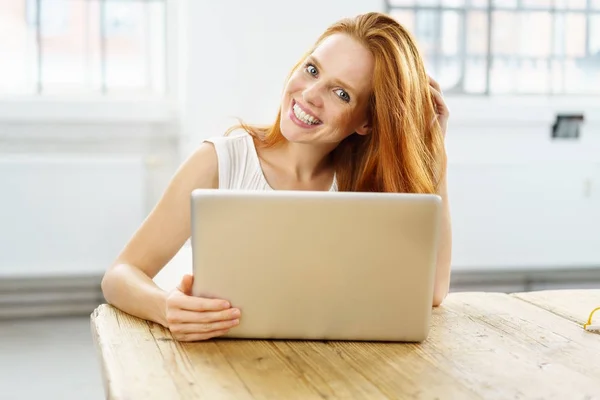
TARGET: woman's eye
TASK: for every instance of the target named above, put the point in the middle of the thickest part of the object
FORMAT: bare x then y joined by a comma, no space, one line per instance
343,95
311,69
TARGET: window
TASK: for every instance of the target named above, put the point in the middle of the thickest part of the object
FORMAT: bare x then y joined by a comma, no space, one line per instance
507,46
82,47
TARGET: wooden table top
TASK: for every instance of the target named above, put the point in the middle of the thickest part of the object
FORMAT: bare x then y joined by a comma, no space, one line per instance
481,346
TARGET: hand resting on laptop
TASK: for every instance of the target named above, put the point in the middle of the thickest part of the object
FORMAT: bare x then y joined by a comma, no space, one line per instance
192,318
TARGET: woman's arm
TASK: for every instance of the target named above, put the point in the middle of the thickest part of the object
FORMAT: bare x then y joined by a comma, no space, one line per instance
128,283
444,255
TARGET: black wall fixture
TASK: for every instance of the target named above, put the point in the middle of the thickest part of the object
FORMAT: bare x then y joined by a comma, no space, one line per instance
567,126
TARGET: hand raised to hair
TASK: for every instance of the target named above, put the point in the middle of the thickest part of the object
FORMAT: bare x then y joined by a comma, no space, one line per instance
441,109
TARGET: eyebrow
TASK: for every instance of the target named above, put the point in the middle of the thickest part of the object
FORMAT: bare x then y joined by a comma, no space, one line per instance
313,60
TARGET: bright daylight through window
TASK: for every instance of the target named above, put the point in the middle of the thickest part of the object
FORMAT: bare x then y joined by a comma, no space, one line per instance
507,46
82,47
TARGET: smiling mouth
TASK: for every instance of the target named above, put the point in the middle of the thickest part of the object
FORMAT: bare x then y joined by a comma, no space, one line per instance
304,117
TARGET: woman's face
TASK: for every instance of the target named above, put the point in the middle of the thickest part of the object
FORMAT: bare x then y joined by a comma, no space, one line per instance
326,98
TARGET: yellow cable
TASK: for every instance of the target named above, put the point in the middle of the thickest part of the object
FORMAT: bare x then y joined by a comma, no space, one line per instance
589,321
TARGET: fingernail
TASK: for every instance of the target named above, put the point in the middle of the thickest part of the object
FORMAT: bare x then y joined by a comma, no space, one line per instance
235,312
226,304
235,322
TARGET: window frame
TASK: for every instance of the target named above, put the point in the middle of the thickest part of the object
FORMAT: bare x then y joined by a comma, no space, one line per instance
488,9
108,108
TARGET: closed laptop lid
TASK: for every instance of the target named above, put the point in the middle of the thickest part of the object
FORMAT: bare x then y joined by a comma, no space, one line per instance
318,265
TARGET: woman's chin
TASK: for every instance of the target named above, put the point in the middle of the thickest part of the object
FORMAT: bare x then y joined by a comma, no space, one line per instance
291,132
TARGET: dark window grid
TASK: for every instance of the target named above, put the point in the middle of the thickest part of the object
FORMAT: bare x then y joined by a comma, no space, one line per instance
490,8
39,46
517,8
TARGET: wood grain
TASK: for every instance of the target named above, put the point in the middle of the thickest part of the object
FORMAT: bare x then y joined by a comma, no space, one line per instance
481,346
574,305
520,350
132,364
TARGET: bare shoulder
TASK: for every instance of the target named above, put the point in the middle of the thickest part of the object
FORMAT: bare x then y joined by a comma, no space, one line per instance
201,168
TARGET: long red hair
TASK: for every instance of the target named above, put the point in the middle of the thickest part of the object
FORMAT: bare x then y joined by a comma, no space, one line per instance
404,152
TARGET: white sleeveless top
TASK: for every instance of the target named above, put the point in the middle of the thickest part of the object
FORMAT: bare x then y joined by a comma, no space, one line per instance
239,165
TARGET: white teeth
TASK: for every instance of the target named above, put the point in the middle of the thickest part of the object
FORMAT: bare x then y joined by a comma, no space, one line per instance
302,116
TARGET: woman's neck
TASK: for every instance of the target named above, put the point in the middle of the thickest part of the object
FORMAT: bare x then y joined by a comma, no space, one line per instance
303,162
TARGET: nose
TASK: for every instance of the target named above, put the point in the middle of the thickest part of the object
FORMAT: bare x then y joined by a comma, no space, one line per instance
312,95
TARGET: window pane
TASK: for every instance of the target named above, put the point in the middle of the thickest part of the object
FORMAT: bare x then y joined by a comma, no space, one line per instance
570,4
533,76
157,55
426,27
94,46
132,41
477,32
594,35
401,2
575,34
478,3
558,47
427,24
504,34
73,56
537,3
570,34
557,76
502,75
582,76
18,68
451,36
63,46
536,33
453,3
475,75
593,73
533,51
576,4
405,18
573,77
449,72
505,3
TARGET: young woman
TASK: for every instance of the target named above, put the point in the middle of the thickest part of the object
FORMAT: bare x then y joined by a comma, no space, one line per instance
358,113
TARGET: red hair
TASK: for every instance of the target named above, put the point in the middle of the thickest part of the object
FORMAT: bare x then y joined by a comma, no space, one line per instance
404,152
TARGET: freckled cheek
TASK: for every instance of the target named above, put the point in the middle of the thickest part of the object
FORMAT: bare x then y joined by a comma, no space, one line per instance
295,83
343,121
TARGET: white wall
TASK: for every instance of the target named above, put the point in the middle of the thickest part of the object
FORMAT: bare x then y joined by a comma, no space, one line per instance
519,198
67,214
77,179
238,53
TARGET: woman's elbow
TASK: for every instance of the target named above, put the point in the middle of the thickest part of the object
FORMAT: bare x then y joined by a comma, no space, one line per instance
438,296
105,285
108,283
438,299
442,284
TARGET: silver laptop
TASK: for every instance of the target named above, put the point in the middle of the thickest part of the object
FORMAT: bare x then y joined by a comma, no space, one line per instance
318,265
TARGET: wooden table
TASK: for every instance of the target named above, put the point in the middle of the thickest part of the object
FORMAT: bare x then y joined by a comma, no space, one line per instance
481,346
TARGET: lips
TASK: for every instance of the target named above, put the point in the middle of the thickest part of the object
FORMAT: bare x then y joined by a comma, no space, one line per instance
306,111
302,115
